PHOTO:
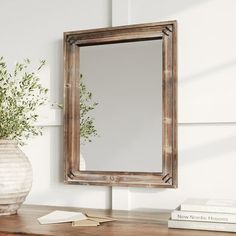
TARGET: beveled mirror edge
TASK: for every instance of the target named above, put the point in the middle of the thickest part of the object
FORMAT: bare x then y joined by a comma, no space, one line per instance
72,175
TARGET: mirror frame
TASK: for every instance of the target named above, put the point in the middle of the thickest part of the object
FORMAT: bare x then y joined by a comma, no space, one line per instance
165,31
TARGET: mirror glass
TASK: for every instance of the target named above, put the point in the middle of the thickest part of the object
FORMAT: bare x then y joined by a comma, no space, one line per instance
125,80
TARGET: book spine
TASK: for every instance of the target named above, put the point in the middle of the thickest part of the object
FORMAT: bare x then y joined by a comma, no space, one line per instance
203,216
177,224
188,207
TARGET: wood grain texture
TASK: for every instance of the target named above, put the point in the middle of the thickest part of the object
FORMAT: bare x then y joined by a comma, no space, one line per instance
15,177
165,31
128,223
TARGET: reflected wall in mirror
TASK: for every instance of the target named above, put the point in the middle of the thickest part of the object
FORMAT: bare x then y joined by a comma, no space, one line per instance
120,106
126,81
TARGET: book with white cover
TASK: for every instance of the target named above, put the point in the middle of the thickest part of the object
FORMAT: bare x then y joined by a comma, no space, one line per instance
203,216
209,205
61,217
179,224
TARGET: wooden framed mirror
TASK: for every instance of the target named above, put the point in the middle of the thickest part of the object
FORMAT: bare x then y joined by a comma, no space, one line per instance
121,96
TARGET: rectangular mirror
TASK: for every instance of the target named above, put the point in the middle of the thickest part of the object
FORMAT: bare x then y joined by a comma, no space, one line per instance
120,106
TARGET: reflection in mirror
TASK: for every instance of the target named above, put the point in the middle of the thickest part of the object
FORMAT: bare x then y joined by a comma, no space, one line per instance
125,79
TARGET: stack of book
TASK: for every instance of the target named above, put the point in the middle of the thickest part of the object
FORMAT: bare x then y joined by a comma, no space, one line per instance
205,214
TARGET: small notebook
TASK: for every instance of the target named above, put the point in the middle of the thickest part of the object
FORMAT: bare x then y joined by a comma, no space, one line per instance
93,220
99,218
87,222
61,217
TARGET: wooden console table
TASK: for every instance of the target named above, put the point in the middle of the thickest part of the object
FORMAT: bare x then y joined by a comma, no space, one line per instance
128,223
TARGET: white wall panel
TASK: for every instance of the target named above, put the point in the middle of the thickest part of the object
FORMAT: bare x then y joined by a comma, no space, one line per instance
206,54
206,168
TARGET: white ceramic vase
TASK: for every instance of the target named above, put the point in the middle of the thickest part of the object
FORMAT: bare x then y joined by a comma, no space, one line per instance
15,177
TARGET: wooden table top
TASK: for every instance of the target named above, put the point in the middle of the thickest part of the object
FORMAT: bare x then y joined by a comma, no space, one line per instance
128,223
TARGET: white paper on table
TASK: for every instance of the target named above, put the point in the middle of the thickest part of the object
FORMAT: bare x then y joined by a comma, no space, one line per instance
61,217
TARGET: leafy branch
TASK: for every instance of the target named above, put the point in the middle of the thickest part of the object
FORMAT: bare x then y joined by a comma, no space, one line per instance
21,94
87,127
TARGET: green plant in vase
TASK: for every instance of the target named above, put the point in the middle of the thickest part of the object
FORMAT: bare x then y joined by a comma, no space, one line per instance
21,94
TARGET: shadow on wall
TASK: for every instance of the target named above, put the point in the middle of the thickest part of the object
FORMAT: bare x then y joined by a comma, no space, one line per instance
212,149
209,71
56,139
56,155
164,10
57,71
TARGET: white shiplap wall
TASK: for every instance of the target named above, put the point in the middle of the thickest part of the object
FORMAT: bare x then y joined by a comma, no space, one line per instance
207,70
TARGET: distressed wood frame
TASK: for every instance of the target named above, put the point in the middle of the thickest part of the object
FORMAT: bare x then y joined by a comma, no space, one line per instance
165,31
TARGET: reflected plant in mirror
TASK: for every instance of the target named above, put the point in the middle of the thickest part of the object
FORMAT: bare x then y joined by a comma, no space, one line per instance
87,121
87,126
